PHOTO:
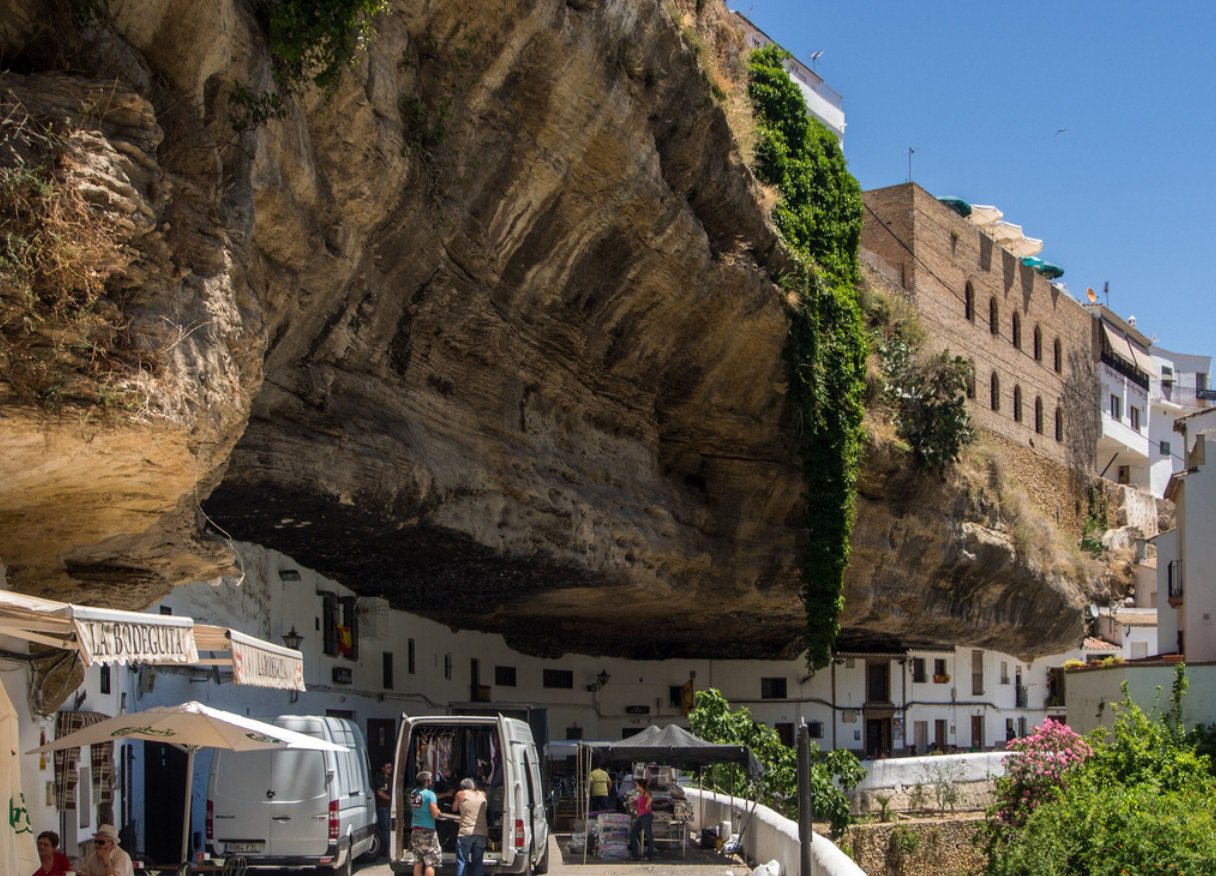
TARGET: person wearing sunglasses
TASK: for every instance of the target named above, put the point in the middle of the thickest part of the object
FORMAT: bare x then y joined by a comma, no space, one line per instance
107,859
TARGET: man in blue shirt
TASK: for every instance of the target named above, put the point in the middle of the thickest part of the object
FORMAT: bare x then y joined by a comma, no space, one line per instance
424,843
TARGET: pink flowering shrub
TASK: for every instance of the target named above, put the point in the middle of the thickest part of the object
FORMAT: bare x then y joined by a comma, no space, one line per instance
1037,771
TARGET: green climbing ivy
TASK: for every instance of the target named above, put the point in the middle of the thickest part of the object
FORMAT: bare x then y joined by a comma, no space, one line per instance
819,215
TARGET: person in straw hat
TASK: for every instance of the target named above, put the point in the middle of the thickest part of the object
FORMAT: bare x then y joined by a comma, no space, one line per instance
106,859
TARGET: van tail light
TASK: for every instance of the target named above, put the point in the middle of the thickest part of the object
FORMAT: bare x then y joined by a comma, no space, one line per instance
210,820
519,833
333,821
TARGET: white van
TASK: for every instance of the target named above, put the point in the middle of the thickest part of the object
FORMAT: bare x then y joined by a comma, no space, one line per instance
287,809
500,755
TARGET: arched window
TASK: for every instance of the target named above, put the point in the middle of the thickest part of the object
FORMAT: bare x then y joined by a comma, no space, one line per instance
1017,403
993,316
971,380
1038,344
1038,415
1015,331
969,302
994,389
1059,424
1058,356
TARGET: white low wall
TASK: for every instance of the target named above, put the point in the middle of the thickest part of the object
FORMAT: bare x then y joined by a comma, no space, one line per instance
769,835
972,775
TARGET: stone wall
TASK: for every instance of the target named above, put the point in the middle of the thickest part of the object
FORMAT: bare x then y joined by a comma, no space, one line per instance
947,262
938,847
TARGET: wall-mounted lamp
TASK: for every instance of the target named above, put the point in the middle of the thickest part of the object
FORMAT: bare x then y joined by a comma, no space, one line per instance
293,639
289,575
601,679
839,661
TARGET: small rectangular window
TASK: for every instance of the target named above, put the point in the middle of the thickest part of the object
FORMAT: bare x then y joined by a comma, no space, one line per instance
1165,448
409,653
1116,407
563,678
918,668
447,666
675,695
1134,414
1004,672
504,676
939,666
977,673
785,732
104,681
772,688
814,729
386,670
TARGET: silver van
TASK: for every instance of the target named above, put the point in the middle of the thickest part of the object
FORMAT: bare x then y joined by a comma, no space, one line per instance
288,809
500,755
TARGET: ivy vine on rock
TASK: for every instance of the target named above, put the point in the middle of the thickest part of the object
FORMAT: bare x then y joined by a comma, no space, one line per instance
819,215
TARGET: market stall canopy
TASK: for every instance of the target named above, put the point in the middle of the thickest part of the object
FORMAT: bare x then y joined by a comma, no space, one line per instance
674,746
107,635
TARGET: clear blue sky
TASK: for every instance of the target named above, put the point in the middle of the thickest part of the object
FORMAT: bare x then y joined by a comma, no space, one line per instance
1125,194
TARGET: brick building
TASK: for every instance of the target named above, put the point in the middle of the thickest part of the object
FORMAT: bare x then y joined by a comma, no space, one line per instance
1029,341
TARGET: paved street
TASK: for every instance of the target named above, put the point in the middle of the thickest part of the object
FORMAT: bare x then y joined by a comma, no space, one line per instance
698,863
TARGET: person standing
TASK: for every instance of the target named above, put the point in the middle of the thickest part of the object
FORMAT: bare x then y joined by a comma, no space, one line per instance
599,783
474,833
384,799
643,823
53,861
106,859
424,842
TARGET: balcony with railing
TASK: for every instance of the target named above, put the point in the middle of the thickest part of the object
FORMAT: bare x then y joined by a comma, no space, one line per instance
1205,394
1126,369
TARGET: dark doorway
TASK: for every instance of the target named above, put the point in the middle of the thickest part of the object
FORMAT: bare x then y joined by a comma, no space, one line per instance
164,778
878,736
381,742
977,732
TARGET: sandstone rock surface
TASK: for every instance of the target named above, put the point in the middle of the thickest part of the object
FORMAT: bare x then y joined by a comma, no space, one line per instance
490,331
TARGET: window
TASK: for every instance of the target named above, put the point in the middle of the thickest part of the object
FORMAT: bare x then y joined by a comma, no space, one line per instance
977,673
1021,725
1057,355
675,695
1201,382
339,626
1125,474
994,325
1038,415
563,678
1059,425
772,688
1134,413
504,676
1017,403
814,729
1116,407
409,657
878,682
939,667
1038,344
1165,448
994,391
785,732
386,670
104,680
574,732
918,668
1004,672
447,666
1015,333
969,302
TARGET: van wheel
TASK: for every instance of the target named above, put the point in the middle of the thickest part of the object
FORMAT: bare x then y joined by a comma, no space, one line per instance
542,866
373,851
344,870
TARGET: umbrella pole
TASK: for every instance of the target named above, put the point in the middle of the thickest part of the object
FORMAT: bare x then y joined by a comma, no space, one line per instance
186,805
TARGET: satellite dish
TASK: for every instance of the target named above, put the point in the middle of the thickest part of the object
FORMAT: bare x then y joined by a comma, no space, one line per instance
1091,295
1092,611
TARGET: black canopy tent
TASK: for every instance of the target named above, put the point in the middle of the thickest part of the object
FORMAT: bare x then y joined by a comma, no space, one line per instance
671,746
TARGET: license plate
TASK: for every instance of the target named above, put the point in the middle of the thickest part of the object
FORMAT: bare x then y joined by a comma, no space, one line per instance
243,848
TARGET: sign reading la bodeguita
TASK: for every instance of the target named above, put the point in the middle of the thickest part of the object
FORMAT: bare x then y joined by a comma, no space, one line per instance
265,665
107,637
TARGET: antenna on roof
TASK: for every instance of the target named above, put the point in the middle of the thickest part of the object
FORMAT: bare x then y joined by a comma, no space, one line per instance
815,56
1106,292
911,151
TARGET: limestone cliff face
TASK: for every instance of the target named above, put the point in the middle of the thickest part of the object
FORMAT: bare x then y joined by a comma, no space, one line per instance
490,331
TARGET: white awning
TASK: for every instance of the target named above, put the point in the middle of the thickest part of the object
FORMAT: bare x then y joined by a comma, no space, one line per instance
1123,346
107,635
100,635
253,661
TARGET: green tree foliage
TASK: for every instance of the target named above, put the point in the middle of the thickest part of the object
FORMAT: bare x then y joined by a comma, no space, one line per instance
832,772
314,41
1142,803
819,215
928,400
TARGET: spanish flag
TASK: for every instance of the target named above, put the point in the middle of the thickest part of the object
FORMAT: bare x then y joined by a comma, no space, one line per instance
344,640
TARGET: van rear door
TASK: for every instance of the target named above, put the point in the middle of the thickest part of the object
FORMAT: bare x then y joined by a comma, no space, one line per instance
301,784
238,796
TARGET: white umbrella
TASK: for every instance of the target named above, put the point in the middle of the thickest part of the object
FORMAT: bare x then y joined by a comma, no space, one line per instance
1023,246
191,726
